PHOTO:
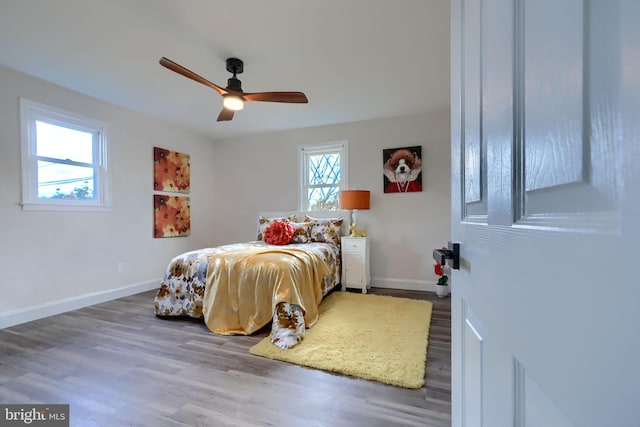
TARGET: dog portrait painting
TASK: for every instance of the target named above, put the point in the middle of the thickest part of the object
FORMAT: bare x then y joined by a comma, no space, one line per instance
402,169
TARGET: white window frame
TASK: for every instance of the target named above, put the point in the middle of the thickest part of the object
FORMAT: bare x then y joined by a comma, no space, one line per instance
342,147
30,112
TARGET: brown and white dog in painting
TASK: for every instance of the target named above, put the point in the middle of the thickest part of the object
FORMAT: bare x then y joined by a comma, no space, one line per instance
402,169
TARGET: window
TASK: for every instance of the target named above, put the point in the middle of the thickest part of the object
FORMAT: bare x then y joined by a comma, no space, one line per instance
323,172
64,161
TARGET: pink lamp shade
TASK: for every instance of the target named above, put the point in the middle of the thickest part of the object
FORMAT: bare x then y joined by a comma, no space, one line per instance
355,199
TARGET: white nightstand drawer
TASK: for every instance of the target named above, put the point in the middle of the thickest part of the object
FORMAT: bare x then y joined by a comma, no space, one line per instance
354,244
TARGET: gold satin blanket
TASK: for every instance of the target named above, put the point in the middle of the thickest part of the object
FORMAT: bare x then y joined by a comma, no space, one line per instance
244,286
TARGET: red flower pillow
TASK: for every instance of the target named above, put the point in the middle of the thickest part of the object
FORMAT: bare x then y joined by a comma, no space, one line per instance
279,233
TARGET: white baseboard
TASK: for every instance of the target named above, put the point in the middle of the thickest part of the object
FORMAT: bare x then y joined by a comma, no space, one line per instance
406,284
35,312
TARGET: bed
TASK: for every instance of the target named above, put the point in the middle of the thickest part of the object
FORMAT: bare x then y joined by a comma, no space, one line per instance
239,288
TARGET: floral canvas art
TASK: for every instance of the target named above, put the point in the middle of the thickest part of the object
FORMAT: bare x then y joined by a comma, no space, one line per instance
172,216
171,171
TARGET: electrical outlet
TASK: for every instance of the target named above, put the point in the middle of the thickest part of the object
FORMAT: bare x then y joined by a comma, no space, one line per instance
120,267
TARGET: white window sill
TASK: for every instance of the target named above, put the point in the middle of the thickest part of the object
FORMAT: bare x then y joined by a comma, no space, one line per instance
65,207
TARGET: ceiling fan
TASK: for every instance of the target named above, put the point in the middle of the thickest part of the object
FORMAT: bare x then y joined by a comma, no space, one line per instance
233,98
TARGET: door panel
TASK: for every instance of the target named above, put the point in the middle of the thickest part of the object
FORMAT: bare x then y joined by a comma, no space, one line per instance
554,146
472,109
544,306
569,71
474,158
472,370
533,407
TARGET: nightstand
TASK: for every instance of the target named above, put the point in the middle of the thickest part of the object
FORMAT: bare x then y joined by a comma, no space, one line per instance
355,263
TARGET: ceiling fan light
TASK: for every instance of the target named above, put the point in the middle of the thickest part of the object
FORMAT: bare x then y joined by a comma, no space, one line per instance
233,102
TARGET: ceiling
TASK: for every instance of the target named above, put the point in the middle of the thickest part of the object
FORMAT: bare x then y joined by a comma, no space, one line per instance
355,60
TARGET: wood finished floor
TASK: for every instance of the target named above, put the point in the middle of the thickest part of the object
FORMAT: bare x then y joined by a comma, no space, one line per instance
117,364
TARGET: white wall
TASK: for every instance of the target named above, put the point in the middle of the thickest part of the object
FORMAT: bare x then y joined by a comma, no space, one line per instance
50,261
260,173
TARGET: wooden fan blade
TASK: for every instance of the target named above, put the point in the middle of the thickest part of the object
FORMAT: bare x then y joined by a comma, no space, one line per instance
173,66
225,115
292,97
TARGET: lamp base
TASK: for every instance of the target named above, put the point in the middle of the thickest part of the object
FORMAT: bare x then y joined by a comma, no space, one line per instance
355,232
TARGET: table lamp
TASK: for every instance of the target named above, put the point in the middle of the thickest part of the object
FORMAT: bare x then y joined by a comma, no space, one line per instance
354,200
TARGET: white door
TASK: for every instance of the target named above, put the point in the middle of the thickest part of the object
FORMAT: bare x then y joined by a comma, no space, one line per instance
546,206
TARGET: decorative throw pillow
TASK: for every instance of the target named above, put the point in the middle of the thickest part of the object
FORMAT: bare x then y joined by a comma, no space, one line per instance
264,222
302,232
325,229
279,233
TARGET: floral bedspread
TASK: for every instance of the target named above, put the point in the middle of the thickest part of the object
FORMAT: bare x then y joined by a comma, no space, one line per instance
183,286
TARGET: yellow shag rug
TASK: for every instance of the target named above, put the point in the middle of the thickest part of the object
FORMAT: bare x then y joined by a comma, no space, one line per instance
369,336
